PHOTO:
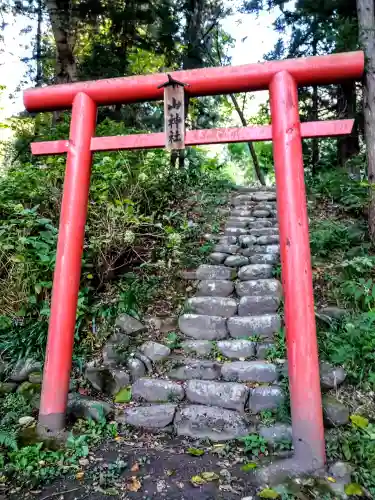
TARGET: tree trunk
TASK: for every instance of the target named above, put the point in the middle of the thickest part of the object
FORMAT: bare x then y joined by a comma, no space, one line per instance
315,143
250,145
63,28
348,146
38,43
366,23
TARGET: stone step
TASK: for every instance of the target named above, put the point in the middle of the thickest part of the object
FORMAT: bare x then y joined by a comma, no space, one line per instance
258,304
209,272
239,349
235,231
210,422
235,349
255,189
250,371
263,326
236,261
226,248
201,327
227,240
259,249
255,271
264,258
264,231
265,397
155,390
217,257
192,368
259,287
232,222
215,288
263,196
152,417
212,306
268,239
259,213
229,395
247,240
246,219
262,223
241,212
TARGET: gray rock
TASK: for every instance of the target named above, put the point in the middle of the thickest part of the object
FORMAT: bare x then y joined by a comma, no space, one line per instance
265,258
130,325
137,368
148,417
249,371
341,470
263,349
236,261
235,231
264,231
217,257
155,351
36,377
264,196
269,287
241,219
196,369
265,398
269,239
255,271
23,368
261,249
223,394
207,422
331,376
226,248
227,240
262,223
241,212
115,350
26,421
210,237
215,288
188,275
236,349
212,306
247,240
200,347
276,433
333,312
207,272
232,222
165,324
200,327
334,412
261,213
246,326
257,305
86,407
107,380
157,391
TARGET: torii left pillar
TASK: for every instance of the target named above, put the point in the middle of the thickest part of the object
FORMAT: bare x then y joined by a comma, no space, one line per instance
68,264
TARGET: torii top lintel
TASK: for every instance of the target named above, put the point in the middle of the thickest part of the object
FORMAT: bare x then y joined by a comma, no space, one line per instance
206,81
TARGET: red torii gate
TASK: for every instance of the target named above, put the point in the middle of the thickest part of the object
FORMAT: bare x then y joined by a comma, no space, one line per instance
282,78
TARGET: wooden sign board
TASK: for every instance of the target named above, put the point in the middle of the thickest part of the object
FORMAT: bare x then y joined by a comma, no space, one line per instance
174,117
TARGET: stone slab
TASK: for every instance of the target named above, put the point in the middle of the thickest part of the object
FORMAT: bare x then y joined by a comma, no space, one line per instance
200,327
255,271
200,347
222,394
217,257
226,248
212,306
257,305
215,288
207,272
265,258
249,371
235,349
270,287
207,422
155,351
236,261
265,398
268,239
155,390
246,326
149,417
196,369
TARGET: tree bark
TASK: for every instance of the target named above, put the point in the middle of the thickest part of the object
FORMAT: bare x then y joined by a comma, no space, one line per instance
38,43
366,23
64,31
348,146
250,145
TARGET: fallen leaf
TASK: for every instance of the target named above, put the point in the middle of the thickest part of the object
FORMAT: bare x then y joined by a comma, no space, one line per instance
359,421
195,452
133,484
249,466
118,438
124,395
268,493
354,489
80,475
135,467
210,476
197,481
331,479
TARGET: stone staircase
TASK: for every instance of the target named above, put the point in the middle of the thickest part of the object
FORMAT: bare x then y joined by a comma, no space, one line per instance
218,380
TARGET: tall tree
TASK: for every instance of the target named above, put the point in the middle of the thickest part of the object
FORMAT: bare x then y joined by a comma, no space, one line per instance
366,22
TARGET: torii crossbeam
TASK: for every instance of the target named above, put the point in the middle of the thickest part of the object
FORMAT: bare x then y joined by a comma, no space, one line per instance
282,78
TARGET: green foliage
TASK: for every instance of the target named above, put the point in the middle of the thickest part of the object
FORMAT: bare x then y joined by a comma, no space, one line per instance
254,445
278,349
327,236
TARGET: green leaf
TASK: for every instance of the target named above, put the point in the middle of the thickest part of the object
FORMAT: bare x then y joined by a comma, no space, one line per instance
268,493
354,489
249,466
210,476
359,421
197,481
195,452
124,395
